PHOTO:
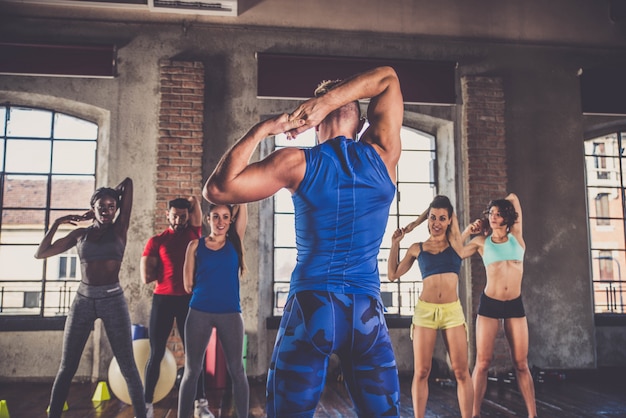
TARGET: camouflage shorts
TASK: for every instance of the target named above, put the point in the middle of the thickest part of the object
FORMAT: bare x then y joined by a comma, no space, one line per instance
316,324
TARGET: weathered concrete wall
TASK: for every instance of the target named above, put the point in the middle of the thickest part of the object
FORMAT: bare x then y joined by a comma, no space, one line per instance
544,139
611,342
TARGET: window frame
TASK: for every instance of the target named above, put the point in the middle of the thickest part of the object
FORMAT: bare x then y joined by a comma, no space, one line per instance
612,181
98,116
399,319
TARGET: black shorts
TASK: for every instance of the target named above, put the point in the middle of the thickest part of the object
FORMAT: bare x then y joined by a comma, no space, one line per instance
501,309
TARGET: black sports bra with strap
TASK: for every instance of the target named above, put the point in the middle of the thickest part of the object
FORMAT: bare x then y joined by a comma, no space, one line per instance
108,247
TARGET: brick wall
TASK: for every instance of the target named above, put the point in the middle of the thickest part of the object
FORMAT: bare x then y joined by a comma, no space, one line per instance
484,152
179,155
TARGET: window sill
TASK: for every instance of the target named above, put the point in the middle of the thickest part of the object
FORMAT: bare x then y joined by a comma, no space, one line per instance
32,323
610,320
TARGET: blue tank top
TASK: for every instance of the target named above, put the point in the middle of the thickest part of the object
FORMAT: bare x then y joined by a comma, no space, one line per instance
109,247
508,250
341,212
447,261
216,286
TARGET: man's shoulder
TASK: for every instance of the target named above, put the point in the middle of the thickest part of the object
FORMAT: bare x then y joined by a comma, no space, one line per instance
161,236
190,232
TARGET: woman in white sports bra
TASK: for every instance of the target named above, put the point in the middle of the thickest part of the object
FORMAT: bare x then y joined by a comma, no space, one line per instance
501,245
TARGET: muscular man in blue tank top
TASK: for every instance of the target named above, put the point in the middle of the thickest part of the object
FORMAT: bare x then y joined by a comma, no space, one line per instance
341,189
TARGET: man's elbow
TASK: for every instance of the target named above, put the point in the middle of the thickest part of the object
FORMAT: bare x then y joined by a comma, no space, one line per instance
213,193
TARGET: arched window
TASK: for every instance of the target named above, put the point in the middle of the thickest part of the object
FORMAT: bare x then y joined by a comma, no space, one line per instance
606,205
47,170
416,186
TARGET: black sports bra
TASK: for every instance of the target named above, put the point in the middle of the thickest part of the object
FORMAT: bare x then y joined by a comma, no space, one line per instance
108,247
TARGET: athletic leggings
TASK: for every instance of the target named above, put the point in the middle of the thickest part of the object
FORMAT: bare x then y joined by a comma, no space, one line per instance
316,324
166,308
230,331
107,303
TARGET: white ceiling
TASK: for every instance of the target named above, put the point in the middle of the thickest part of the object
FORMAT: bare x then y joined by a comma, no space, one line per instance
558,22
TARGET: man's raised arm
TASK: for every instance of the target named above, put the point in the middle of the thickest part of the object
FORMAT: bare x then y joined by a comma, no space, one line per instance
384,113
236,180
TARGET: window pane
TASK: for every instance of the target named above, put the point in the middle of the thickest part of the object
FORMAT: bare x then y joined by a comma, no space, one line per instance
3,117
69,127
24,192
416,166
283,201
409,293
63,267
609,283
29,123
2,142
415,198
28,156
609,236
65,161
602,176
281,291
392,225
607,200
416,140
18,298
21,226
305,140
18,263
61,264
59,296
72,192
419,234
284,263
284,232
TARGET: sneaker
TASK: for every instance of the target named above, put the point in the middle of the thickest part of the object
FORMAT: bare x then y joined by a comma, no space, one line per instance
201,409
149,410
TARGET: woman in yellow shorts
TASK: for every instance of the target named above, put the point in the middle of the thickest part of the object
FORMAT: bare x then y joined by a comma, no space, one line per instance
438,306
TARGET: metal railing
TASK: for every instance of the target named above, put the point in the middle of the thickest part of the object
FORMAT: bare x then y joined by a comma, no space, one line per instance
36,298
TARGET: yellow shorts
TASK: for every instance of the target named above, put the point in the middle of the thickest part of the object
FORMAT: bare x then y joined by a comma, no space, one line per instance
437,315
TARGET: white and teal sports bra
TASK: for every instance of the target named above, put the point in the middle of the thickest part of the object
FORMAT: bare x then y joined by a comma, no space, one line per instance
508,250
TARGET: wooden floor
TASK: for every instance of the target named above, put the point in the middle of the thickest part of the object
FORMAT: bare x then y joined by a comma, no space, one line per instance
570,394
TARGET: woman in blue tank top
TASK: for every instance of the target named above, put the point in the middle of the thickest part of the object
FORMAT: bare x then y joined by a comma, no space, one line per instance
501,245
213,265
438,306
100,249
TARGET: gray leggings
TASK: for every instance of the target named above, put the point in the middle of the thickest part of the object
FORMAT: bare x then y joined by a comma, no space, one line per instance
230,331
92,302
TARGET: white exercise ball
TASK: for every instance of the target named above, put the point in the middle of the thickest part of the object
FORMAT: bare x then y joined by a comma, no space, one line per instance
141,352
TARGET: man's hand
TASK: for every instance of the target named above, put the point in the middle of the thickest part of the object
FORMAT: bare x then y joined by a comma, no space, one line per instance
286,124
306,116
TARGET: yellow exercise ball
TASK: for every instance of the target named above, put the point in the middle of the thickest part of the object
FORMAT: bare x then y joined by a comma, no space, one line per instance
141,352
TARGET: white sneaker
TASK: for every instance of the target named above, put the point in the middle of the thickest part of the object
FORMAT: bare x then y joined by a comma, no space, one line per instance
201,409
149,410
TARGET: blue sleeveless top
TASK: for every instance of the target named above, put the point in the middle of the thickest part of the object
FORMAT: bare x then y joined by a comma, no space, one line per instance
447,261
341,212
508,250
216,287
108,247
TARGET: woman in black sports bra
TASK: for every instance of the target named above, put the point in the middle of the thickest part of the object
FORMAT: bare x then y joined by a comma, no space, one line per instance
438,306
100,249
